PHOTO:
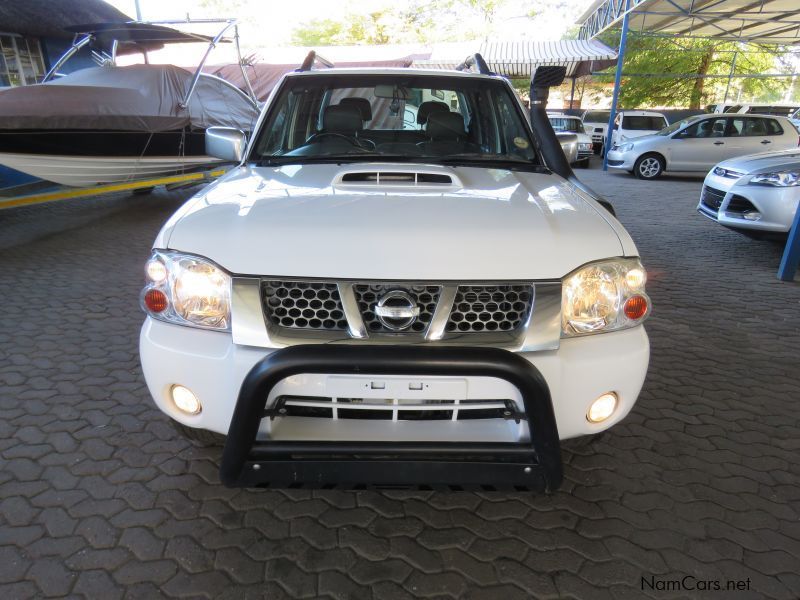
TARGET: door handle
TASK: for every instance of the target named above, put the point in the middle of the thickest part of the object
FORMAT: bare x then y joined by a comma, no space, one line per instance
718,143
766,142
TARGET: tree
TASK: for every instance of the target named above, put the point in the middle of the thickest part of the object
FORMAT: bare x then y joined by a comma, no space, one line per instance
662,71
417,21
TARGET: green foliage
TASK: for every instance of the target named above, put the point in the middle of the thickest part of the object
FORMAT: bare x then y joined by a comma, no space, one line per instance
688,60
417,21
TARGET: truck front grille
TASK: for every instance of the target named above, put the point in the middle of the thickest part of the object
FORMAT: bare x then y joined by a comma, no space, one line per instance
424,296
335,306
392,409
479,308
312,305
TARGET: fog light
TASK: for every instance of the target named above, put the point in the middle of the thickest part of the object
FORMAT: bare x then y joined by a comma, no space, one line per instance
185,400
156,271
602,408
752,216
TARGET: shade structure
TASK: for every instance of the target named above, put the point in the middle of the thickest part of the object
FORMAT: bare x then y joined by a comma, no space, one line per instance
767,21
518,59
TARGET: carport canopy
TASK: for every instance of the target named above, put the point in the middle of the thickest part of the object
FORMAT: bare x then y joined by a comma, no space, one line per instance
519,59
768,21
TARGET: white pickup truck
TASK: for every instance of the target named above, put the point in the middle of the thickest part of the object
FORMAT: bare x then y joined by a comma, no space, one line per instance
358,303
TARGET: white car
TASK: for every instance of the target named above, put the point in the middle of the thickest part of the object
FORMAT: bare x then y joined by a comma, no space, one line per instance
595,124
781,110
755,193
630,124
795,119
356,302
563,123
700,142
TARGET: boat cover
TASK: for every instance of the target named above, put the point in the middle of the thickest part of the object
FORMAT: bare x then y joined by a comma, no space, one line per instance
133,98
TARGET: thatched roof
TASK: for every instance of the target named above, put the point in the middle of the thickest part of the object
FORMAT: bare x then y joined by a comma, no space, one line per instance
47,18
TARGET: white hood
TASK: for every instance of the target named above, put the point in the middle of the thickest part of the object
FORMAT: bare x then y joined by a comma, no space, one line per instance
493,224
763,162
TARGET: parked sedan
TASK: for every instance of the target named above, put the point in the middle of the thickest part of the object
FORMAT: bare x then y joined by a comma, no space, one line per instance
563,123
759,192
700,142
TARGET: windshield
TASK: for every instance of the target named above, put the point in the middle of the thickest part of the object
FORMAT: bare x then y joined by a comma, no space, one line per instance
643,123
597,116
565,124
341,117
678,124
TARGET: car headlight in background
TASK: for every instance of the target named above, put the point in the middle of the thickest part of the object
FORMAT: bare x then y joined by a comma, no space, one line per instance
187,290
625,147
604,296
585,146
777,179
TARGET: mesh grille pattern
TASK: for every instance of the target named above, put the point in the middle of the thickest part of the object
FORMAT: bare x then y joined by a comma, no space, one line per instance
481,308
425,297
303,305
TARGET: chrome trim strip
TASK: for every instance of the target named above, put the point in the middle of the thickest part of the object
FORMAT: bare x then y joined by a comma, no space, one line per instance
436,328
355,323
544,327
248,327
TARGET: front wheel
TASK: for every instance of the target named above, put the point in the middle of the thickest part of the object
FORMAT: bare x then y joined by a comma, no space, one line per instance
648,166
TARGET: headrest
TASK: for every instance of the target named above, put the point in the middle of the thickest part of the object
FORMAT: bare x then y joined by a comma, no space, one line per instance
447,126
341,119
362,104
427,108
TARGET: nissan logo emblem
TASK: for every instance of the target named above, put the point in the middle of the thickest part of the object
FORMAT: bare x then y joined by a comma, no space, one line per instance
397,310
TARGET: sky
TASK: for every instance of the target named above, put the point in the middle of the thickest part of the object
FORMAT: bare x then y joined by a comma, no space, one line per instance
257,16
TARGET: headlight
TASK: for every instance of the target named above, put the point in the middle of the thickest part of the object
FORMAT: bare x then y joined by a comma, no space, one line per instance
625,147
777,179
604,296
585,145
187,290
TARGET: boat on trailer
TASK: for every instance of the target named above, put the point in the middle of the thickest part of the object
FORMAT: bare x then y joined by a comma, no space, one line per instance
115,124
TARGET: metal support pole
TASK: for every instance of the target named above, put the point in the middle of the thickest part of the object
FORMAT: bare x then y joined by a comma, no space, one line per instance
572,93
791,255
730,76
138,10
623,40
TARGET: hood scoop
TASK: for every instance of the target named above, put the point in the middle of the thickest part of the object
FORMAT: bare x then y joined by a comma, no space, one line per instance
388,178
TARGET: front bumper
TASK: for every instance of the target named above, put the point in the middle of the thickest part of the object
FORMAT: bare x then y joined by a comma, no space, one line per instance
533,465
729,201
621,160
210,364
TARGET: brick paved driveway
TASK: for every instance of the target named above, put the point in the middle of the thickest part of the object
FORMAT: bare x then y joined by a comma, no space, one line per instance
99,499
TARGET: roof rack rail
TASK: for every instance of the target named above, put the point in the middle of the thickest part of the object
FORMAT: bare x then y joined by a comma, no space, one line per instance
311,58
476,60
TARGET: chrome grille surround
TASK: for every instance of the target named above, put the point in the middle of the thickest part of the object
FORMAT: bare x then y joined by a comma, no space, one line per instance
487,308
255,323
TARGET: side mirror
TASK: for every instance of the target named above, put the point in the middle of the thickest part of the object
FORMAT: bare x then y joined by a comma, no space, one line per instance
226,143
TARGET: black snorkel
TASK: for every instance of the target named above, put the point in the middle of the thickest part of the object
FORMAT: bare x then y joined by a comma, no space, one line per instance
542,80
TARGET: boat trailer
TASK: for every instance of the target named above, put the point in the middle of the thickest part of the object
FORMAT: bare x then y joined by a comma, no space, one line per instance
57,192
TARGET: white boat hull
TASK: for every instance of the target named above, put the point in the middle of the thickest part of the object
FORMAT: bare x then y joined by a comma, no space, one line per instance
86,171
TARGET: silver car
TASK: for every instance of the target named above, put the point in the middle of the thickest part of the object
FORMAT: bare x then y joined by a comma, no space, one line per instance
700,142
755,193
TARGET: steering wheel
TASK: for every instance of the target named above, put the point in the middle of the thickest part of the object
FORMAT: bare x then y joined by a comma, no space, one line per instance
350,139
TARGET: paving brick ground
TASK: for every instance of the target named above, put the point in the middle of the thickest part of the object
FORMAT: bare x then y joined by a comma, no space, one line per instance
99,499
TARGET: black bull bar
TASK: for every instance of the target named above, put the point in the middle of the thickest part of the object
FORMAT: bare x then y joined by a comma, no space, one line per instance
534,465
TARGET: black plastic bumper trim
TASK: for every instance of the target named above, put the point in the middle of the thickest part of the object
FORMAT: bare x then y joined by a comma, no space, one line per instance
250,463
